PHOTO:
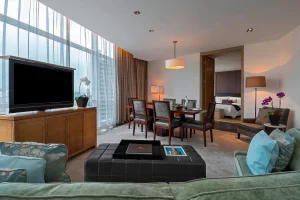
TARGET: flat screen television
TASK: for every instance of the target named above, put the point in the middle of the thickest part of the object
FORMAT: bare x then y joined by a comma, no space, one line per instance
36,86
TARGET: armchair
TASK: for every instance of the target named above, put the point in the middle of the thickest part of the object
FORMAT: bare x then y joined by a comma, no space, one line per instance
251,126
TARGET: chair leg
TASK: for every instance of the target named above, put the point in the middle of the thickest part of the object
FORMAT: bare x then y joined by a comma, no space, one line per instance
133,132
146,130
170,133
191,133
154,132
138,125
204,137
239,135
211,135
194,131
129,123
142,127
181,133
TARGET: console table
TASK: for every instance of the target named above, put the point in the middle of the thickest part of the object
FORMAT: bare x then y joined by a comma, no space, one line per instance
74,127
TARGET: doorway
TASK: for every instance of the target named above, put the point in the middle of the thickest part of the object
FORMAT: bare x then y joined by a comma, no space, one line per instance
222,81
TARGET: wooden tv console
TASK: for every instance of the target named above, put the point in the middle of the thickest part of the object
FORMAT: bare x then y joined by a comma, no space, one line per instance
74,127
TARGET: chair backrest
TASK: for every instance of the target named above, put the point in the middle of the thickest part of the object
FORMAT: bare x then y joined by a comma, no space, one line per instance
172,102
191,103
284,118
161,110
139,108
210,112
130,99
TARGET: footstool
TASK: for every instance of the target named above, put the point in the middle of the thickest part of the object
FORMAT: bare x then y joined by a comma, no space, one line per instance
101,167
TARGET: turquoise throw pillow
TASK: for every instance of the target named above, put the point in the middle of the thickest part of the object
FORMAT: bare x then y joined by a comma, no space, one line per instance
286,149
13,175
262,154
55,155
35,167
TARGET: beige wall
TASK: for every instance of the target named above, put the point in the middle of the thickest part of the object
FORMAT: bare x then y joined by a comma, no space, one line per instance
177,83
278,60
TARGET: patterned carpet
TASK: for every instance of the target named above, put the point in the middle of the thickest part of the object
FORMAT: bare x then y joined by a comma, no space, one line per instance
218,155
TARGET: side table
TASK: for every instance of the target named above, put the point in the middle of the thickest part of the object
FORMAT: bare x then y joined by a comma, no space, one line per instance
269,127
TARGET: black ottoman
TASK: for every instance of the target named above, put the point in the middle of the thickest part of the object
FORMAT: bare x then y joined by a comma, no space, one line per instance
101,167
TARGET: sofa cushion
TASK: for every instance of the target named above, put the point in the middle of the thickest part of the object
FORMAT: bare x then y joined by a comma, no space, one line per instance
55,155
255,128
276,186
262,154
260,119
13,175
86,191
35,167
240,164
286,149
295,160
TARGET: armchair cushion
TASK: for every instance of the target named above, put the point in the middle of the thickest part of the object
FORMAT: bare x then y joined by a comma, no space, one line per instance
162,123
261,116
255,128
286,149
262,154
13,175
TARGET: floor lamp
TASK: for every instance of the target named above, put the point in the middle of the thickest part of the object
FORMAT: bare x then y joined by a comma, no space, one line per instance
255,82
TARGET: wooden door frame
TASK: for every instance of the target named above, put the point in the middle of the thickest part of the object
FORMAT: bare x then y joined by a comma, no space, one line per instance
207,53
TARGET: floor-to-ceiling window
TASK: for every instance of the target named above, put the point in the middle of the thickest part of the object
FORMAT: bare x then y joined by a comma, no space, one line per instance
31,30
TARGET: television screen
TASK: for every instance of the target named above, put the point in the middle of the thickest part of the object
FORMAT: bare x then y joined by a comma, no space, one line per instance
37,86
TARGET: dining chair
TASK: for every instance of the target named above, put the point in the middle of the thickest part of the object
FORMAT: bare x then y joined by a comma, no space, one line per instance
140,115
191,104
172,102
130,113
204,125
163,118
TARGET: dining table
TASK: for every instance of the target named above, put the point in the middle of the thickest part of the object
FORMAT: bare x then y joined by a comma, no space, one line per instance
181,112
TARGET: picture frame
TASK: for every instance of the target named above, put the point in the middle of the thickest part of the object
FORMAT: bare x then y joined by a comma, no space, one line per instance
174,151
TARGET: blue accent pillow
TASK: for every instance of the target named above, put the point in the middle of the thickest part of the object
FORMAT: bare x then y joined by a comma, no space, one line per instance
262,154
13,175
55,155
35,167
286,149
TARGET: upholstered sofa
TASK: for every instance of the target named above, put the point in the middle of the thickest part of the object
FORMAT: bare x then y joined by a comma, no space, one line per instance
251,126
240,164
277,186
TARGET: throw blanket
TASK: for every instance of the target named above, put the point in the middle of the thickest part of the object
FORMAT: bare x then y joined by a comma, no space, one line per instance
237,107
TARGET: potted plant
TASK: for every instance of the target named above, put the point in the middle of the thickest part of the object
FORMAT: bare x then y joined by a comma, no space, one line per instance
82,100
275,114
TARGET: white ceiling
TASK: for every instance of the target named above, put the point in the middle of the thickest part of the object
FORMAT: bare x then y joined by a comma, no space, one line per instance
198,25
230,61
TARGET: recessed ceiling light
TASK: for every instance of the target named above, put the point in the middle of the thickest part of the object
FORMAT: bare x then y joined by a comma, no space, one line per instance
137,12
249,30
151,31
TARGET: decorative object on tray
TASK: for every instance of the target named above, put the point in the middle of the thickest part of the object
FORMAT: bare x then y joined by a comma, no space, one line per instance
82,100
186,103
139,149
174,151
276,114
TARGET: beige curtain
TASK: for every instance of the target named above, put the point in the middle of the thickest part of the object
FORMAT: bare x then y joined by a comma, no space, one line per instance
131,81
126,82
141,78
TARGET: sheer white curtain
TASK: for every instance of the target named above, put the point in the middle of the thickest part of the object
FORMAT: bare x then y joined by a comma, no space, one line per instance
31,30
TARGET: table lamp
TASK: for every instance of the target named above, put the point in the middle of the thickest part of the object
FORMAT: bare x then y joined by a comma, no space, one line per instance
255,82
157,90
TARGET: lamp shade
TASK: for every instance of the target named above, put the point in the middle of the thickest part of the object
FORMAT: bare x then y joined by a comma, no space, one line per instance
154,89
255,81
175,63
157,89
